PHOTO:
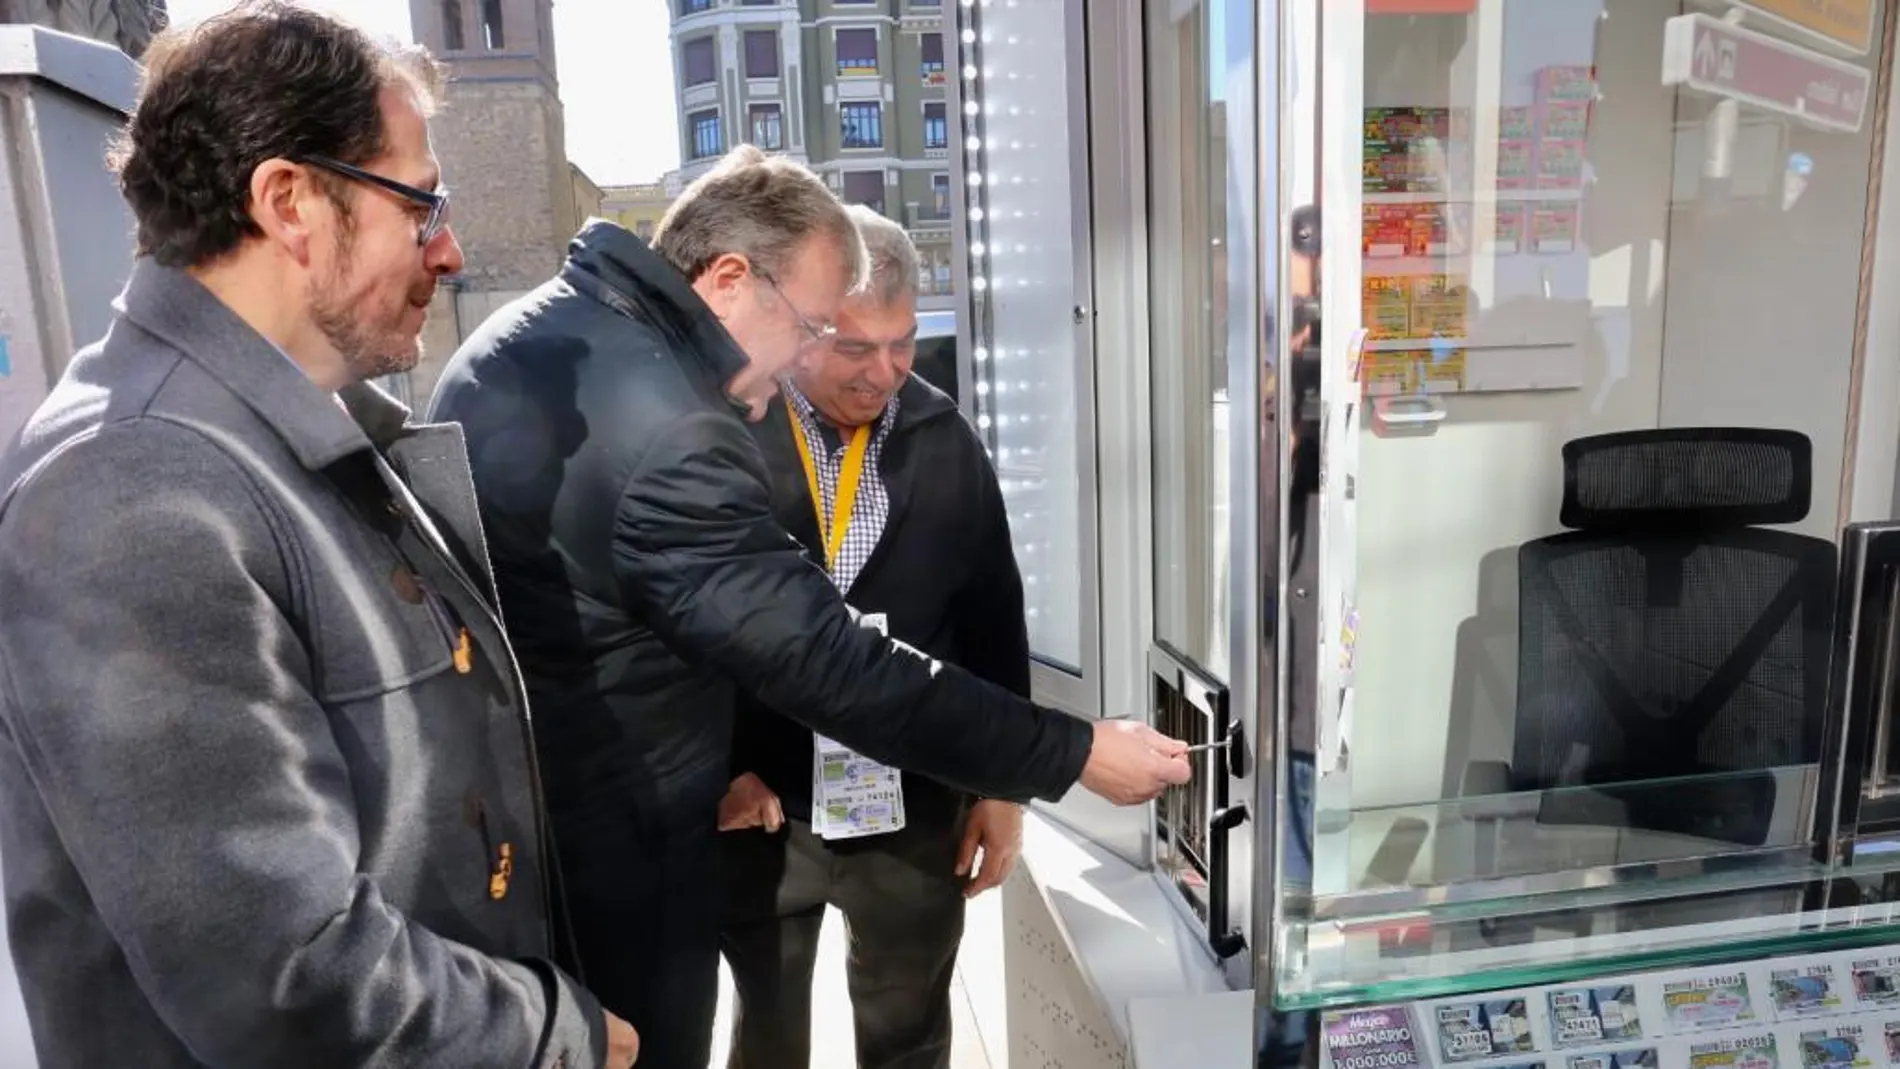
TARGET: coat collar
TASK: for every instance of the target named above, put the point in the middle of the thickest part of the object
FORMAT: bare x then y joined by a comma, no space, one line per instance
178,309
633,279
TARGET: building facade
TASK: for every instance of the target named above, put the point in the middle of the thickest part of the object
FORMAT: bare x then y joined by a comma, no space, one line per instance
501,137
128,24
588,195
639,208
855,89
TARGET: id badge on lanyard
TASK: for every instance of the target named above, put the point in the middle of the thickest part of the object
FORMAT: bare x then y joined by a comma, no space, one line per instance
852,796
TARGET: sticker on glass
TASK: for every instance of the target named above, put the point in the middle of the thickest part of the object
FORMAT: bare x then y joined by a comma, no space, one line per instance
1632,1058
1843,1047
1584,1015
1714,1001
1379,1038
1471,1030
1805,991
1877,980
1755,1050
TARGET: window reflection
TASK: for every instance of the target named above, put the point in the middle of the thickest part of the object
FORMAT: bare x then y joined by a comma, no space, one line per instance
1189,279
1029,300
1563,260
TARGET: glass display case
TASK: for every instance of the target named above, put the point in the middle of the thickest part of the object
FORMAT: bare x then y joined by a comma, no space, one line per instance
1557,382
1512,370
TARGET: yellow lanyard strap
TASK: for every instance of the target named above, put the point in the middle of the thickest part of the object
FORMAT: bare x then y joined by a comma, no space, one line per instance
849,475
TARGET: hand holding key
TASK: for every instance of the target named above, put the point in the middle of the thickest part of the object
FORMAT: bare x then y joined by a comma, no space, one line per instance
1130,762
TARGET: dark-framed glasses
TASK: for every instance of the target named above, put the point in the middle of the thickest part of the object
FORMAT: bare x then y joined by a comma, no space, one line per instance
437,202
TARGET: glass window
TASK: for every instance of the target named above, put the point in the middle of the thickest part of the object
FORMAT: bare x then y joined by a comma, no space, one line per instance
864,187
936,125
1191,278
1555,246
758,3
766,121
688,7
857,52
491,23
940,196
696,59
1030,354
761,53
863,124
930,46
452,39
707,140
1543,648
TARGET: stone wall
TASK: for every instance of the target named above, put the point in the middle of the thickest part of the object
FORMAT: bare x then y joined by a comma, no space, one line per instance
506,167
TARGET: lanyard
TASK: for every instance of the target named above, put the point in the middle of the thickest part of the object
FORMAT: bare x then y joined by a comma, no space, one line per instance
849,475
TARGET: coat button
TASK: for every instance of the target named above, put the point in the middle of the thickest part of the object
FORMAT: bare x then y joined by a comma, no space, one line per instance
407,588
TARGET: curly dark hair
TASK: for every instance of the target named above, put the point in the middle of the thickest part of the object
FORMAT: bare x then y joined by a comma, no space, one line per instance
265,81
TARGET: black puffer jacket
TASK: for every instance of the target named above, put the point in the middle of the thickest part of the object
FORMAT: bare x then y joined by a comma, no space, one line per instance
943,574
642,573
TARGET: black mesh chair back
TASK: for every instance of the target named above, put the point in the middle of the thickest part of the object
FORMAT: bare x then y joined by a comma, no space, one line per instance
1666,635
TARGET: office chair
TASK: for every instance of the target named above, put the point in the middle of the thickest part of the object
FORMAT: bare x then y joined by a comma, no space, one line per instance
1667,634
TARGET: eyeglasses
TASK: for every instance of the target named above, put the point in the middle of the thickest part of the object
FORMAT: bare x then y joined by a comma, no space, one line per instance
437,202
814,333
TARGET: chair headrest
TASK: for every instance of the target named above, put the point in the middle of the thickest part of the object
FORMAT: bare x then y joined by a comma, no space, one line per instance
1687,477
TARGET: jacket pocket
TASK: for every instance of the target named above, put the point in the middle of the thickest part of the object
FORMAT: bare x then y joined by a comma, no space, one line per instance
378,629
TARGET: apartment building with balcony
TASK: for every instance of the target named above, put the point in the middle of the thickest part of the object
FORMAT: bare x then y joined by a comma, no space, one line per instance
855,89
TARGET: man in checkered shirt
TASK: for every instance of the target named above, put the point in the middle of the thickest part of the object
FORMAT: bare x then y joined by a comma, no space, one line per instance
927,547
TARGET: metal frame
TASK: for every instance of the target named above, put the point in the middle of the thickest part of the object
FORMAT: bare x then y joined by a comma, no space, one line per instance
1879,148
1258,466
1122,445
1212,908
1077,691
1861,686
959,163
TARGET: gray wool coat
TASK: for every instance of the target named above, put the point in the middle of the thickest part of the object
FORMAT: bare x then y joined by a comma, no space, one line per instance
267,791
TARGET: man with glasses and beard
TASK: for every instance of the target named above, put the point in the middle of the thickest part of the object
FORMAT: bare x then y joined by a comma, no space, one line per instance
645,576
267,795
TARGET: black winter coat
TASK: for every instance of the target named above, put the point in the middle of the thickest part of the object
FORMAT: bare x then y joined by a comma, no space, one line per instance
944,575
642,574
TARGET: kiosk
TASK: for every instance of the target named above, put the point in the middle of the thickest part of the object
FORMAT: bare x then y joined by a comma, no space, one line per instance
1496,405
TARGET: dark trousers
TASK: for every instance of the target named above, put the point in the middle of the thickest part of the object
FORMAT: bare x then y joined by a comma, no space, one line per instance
903,908
647,928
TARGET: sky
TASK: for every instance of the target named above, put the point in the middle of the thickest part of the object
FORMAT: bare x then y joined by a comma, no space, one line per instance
616,69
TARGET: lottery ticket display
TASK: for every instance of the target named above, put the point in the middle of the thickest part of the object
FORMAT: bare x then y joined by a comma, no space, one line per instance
1839,1010
1424,221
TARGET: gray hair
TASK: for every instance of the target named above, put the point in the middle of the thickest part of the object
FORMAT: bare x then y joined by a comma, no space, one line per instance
893,259
762,207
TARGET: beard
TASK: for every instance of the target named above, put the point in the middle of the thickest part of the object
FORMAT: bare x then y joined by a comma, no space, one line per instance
373,341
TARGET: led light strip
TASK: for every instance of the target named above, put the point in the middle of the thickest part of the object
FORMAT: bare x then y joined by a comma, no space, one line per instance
976,218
